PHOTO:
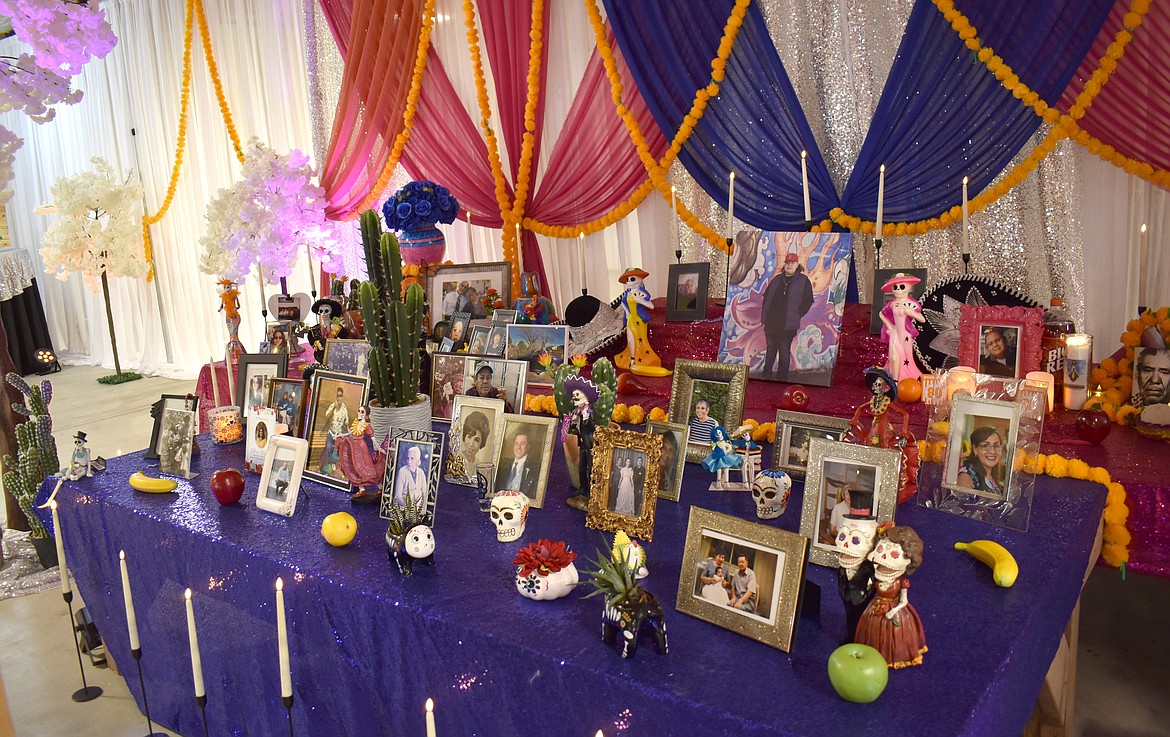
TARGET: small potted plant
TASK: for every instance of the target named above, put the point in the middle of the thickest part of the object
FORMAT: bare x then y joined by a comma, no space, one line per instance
413,212
628,606
393,322
545,570
36,458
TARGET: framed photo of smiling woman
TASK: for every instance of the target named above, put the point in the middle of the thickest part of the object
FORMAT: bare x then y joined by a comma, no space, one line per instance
981,448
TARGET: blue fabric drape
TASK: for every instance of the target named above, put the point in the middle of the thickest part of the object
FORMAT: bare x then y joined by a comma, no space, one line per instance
755,126
942,115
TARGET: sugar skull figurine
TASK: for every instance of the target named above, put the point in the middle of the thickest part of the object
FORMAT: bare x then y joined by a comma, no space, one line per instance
890,624
855,538
639,357
770,491
898,330
509,513
229,299
80,463
721,459
579,422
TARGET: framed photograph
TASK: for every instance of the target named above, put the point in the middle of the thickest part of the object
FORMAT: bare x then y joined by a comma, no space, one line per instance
497,341
333,404
478,342
474,439
879,299
287,397
252,375
461,288
981,447
529,342
626,470
674,457
1002,341
743,576
289,308
446,345
794,434
261,429
446,384
473,376
686,292
278,338
348,356
460,328
188,402
525,455
703,396
176,437
280,483
1151,377
504,317
845,479
785,301
414,460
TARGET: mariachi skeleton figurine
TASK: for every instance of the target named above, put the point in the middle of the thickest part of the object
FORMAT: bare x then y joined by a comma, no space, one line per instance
579,422
854,541
80,463
890,623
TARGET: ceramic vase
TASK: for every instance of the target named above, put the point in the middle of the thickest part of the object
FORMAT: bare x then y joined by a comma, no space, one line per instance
422,246
546,588
415,417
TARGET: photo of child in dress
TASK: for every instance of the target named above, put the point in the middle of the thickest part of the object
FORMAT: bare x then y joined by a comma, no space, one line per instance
738,575
627,482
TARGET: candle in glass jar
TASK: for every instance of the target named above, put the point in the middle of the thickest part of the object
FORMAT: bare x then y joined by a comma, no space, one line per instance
1078,356
1048,381
960,379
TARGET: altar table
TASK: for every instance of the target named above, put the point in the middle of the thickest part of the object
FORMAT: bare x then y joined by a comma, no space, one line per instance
369,646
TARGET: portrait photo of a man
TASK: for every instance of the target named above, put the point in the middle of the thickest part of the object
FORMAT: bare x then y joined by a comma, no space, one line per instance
519,466
1151,377
787,300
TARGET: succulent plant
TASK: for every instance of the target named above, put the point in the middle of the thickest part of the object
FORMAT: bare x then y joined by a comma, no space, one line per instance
612,577
36,454
410,514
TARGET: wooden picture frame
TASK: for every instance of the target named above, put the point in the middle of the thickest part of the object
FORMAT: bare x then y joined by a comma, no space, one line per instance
777,562
674,457
794,432
355,394
347,356
1001,341
610,508
539,433
293,416
687,288
248,368
400,443
689,376
842,465
188,402
286,455
447,278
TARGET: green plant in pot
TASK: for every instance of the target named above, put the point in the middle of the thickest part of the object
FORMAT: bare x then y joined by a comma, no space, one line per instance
393,323
36,458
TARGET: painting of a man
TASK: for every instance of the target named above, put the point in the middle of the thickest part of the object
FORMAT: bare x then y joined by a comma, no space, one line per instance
787,299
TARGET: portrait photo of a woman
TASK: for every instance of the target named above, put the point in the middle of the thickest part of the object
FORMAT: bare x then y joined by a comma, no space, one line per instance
983,468
981,446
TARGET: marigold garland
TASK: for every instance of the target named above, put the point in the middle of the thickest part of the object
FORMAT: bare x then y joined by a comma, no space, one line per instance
213,71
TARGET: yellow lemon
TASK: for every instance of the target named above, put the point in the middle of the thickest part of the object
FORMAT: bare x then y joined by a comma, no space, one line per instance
339,528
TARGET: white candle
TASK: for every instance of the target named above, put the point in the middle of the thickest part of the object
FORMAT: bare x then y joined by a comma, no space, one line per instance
730,205
519,249
430,718
581,249
804,182
227,364
966,245
881,198
1048,381
260,278
128,598
960,379
65,590
282,642
673,219
193,640
1078,357
214,384
470,238
309,254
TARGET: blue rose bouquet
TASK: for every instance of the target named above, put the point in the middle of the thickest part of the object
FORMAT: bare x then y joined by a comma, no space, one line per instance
420,205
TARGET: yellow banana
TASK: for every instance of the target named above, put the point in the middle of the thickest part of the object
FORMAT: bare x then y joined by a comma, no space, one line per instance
151,485
1004,568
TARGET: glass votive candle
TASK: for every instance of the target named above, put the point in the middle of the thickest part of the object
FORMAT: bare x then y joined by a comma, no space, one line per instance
1045,381
1078,358
226,425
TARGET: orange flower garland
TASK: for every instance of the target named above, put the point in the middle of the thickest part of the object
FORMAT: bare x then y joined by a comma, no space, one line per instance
213,70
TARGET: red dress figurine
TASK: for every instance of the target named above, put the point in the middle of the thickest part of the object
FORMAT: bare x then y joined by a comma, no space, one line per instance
881,432
890,623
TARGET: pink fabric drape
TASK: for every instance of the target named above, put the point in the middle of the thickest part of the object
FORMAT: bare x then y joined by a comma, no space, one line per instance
1132,111
339,16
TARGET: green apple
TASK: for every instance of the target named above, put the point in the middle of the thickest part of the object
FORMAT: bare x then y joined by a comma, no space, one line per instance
858,672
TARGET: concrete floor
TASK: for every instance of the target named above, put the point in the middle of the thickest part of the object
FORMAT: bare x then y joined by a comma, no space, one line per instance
1123,659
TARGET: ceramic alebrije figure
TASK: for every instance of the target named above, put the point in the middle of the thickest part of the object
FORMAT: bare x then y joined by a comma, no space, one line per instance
881,433
579,422
408,537
639,357
898,330
229,304
722,458
749,453
538,308
80,462
629,608
855,538
890,624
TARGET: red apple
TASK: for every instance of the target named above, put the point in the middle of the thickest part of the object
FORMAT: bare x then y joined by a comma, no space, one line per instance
858,672
795,398
1093,425
228,485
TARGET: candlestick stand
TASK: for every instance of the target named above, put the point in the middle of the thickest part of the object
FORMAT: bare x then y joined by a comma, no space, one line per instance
202,701
678,255
86,692
877,253
966,263
808,225
288,702
137,655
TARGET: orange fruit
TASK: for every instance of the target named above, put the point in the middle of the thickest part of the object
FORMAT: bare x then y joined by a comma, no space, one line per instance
909,390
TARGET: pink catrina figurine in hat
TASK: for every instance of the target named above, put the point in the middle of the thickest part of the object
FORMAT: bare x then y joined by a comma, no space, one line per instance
898,330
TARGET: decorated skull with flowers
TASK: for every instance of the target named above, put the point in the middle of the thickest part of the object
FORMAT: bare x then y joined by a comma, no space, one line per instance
419,205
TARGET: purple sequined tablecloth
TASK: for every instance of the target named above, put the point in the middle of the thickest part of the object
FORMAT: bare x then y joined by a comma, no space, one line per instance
370,646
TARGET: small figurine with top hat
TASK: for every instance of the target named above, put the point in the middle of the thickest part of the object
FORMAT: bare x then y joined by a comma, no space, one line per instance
881,433
229,298
898,330
538,308
80,462
583,393
855,537
721,459
639,357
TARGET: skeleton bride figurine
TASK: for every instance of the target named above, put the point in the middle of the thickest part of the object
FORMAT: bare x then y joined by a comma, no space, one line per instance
890,624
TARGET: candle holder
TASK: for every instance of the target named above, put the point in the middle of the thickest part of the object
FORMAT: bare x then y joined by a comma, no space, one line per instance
966,263
202,702
226,426
809,225
877,252
727,276
288,703
136,653
678,255
86,692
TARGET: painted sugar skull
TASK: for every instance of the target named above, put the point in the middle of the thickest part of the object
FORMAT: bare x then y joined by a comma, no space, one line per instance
855,539
770,492
890,560
420,542
509,513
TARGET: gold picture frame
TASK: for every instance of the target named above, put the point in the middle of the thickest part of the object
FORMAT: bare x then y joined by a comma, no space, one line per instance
606,511
690,375
777,566
541,447
842,465
801,427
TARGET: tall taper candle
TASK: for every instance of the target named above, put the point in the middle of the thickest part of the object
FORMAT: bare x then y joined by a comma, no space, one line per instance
260,278
881,198
673,218
431,718
65,590
193,640
227,364
581,249
519,249
966,246
309,255
730,205
282,642
214,384
804,182
128,598
470,239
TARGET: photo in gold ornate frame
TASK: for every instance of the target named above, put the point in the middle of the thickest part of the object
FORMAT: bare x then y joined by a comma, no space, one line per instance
708,588
836,471
674,457
721,386
615,500
794,432
538,448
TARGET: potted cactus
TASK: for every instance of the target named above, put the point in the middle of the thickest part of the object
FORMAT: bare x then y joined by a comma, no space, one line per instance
36,458
393,323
